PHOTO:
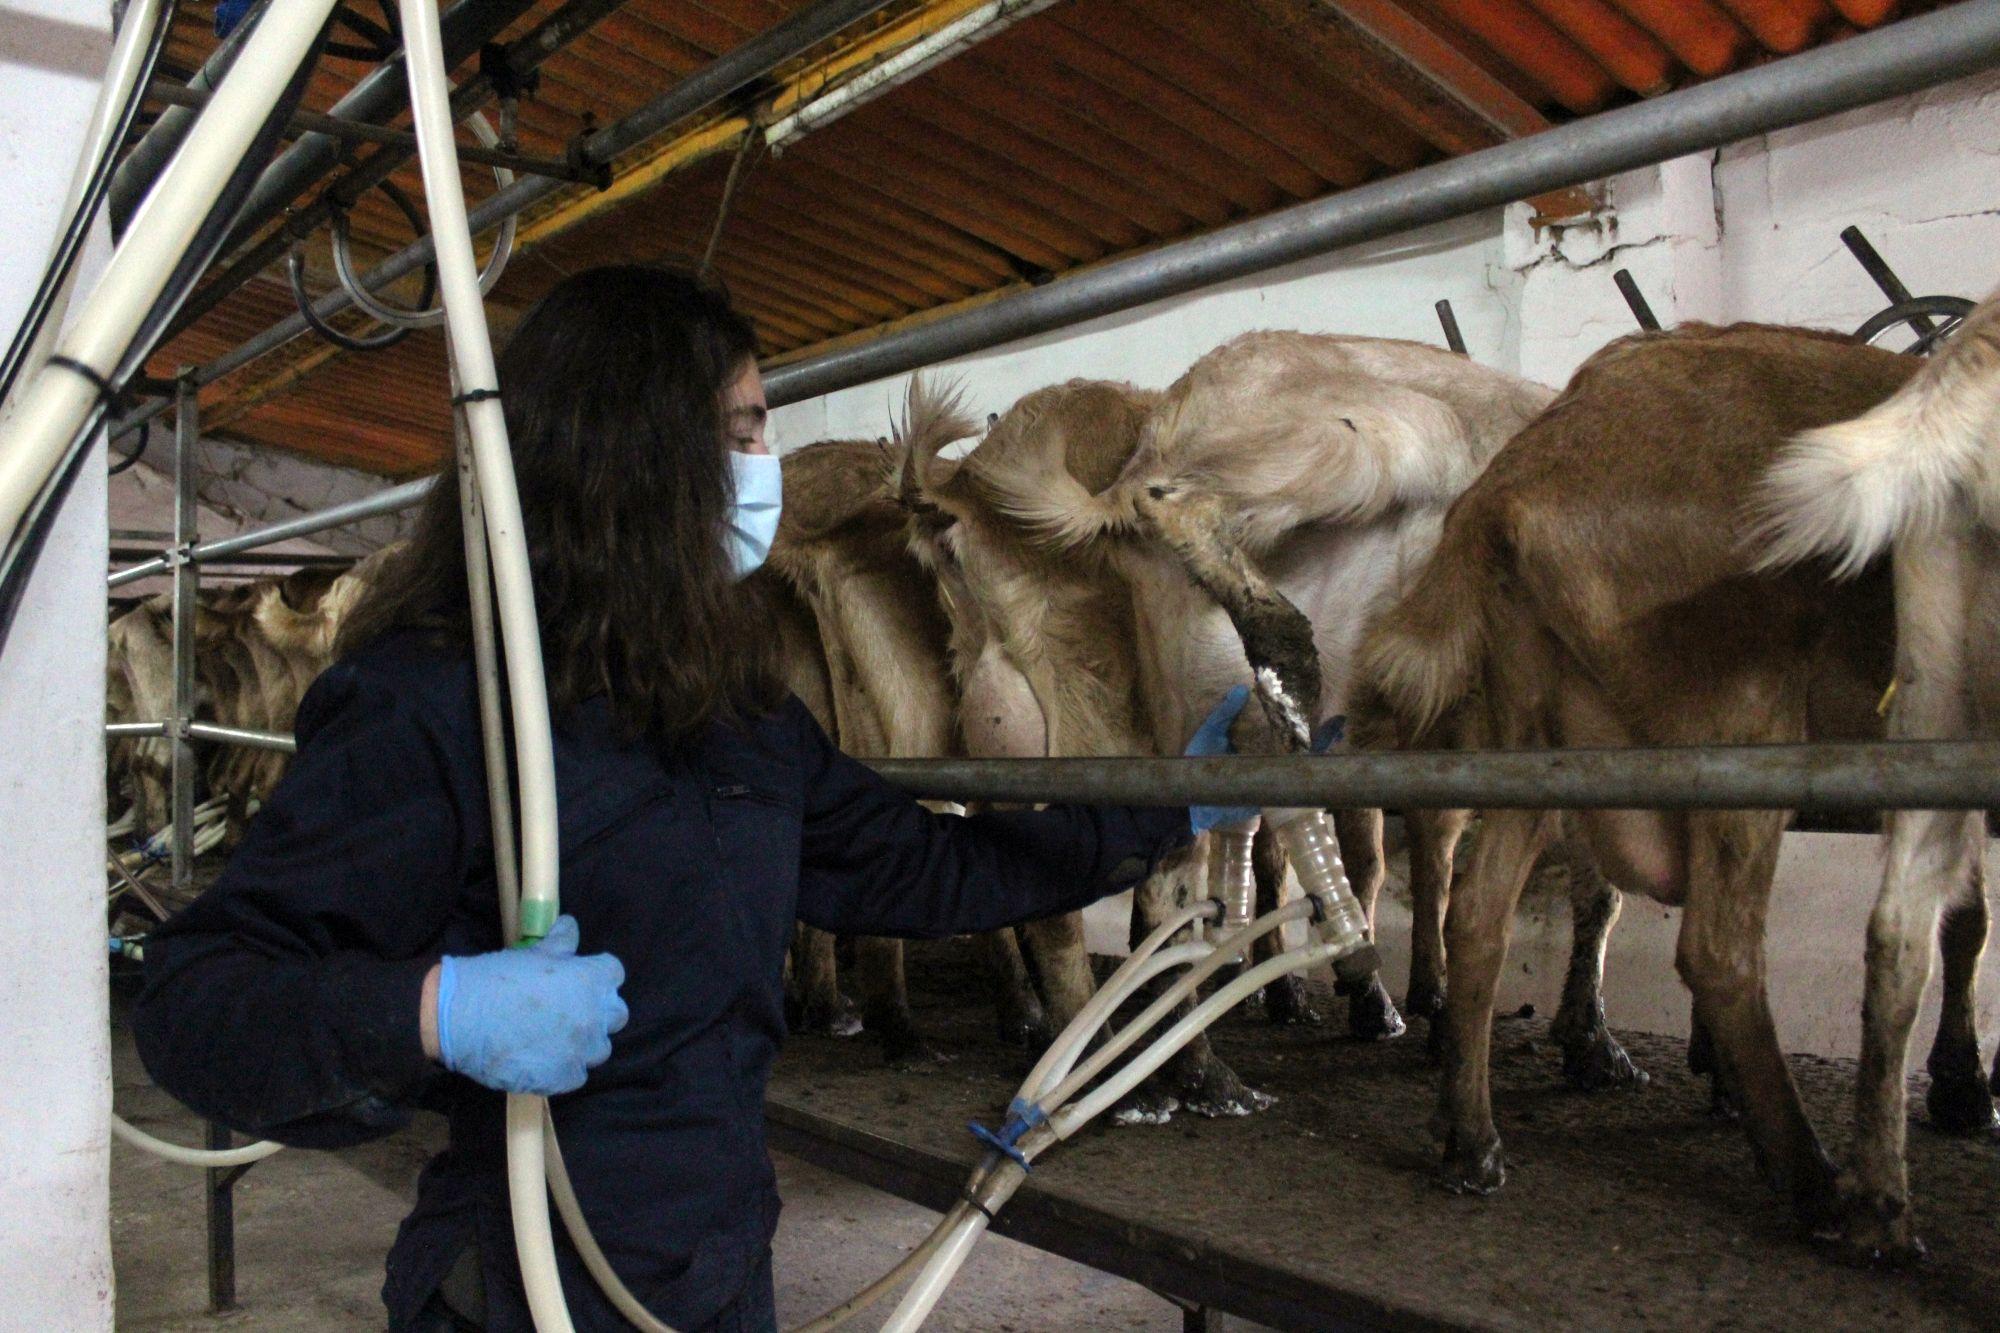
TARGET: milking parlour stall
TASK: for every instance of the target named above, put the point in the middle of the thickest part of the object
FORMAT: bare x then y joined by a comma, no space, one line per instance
1521,477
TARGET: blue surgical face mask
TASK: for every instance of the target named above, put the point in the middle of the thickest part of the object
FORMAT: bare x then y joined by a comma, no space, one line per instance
753,520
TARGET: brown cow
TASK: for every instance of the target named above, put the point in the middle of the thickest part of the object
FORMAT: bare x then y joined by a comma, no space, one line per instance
1592,589
1920,473
876,657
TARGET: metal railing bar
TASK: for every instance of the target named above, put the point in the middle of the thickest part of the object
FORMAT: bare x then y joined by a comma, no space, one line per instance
353,511
1880,775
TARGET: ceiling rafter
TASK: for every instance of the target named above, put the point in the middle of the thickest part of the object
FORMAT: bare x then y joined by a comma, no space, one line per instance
1420,74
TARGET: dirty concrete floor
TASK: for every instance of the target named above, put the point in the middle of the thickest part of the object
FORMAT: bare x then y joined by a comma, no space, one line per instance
312,1229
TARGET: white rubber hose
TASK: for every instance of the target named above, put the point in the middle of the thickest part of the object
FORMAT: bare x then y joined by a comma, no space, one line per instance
128,59
1064,1121
52,405
472,358
208,1157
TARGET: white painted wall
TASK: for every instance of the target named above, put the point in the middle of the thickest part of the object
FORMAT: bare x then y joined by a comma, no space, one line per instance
1751,232
55,1090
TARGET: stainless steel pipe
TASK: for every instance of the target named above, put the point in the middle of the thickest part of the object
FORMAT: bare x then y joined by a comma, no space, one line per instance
353,511
1942,775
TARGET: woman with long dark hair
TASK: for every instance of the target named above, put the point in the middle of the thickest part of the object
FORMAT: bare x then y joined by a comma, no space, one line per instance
349,966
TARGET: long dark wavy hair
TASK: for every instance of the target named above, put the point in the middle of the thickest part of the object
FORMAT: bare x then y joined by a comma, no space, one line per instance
613,389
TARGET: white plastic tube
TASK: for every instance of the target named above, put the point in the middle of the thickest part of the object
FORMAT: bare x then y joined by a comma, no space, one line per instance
207,1157
472,359
53,404
128,59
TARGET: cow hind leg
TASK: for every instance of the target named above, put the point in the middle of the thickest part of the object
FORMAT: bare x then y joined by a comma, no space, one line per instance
885,1002
1476,933
1434,836
1930,855
1196,1077
1960,1099
1285,1000
1732,856
1592,1058
1017,1009
821,1008
1371,1014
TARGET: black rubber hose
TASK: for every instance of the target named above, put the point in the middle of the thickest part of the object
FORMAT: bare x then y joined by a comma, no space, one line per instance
78,229
25,548
131,460
1953,308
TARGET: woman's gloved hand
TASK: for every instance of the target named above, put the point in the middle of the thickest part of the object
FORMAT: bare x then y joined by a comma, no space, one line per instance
1211,738
531,1020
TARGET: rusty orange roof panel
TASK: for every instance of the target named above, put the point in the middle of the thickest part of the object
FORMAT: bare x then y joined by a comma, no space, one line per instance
1093,129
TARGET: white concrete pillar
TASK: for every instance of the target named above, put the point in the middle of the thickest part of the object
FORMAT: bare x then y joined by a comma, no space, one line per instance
55,1087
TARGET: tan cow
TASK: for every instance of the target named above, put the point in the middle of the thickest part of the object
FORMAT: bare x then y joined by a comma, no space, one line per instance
1592,588
865,634
259,646
1099,543
1919,474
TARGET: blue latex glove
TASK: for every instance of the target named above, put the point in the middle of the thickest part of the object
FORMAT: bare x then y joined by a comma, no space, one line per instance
1211,738
530,1020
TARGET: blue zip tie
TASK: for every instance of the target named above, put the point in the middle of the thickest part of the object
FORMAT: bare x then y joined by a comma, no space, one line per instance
1022,1116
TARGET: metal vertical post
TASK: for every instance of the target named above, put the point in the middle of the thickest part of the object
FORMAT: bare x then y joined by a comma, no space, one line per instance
187,589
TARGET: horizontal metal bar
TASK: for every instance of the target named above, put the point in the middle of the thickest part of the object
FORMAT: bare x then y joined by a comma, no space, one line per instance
275,559
1930,775
207,731
1903,57
382,502
360,131
256,740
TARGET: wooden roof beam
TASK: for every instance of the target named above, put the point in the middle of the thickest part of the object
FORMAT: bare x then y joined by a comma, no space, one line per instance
1419,74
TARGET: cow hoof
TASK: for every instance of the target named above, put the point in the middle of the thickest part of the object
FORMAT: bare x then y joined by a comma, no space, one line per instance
1247,1101
1961,1104
1596,1062
1424,1001
1286,1003
1371,1014
1871,1230
838,1019
1480,1170
908,1050
1214,1090
1146,1106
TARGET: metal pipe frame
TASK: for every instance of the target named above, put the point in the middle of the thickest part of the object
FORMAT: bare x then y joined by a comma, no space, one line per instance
382,93
178,728
519,63
727,74
361,131
353,511
1904,57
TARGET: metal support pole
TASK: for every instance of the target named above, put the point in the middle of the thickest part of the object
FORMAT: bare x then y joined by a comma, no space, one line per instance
185,608
1903,57
1452,337
219,1186
1635,300
1877,268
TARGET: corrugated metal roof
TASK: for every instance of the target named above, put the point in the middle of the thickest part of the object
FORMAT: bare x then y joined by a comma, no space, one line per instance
1090,130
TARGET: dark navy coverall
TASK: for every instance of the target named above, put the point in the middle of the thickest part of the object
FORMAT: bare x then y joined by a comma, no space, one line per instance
284,1003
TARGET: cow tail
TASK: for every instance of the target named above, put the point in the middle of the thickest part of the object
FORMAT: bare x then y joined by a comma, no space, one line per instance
1849,490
